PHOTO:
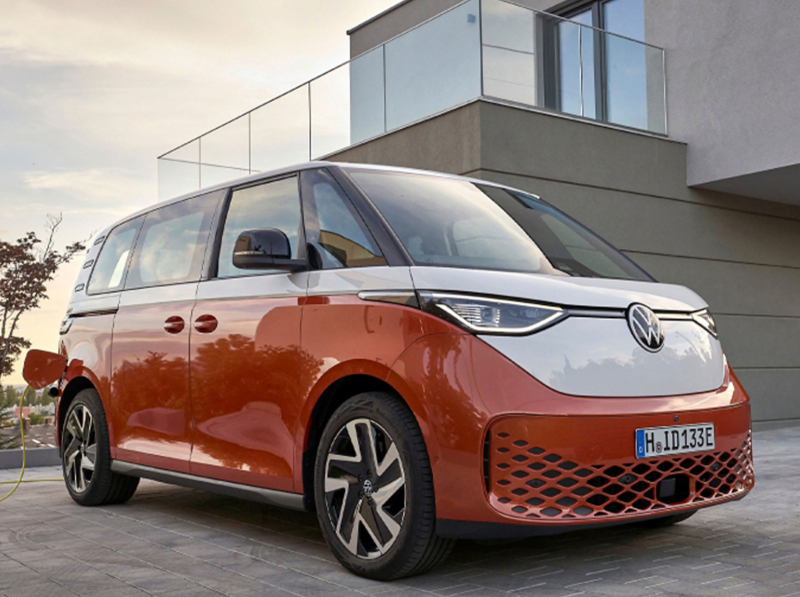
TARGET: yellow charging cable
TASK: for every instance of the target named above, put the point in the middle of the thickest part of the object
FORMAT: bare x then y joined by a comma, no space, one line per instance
22,472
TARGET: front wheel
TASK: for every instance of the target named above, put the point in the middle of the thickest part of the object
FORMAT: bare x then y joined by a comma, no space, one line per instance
374,490
86,458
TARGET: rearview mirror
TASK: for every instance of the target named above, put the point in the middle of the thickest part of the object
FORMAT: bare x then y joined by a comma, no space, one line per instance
42,368
268,248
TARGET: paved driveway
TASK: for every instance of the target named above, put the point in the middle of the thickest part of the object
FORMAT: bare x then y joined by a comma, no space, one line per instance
179,542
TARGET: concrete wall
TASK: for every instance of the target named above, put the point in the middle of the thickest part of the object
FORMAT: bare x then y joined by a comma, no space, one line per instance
733,74
740,254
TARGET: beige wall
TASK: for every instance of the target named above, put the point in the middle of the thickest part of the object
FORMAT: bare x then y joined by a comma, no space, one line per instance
742,255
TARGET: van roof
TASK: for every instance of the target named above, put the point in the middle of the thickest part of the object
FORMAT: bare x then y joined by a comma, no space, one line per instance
288,170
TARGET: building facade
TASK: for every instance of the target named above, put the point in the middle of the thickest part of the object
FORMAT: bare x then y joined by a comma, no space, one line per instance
667,126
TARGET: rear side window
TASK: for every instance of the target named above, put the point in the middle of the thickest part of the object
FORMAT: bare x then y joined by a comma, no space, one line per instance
109,271
334,227
271,205
172,243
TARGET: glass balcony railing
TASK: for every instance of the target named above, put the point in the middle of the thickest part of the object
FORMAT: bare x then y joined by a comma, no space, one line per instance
480,48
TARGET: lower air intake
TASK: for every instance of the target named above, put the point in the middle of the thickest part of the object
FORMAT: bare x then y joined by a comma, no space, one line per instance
527,479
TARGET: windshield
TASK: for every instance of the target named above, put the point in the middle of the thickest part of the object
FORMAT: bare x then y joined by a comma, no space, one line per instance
455,223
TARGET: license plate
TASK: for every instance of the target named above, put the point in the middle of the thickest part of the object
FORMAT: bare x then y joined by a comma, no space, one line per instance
678,439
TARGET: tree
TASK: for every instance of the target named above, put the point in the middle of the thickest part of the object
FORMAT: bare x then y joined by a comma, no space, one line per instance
25,269
9,438
30,398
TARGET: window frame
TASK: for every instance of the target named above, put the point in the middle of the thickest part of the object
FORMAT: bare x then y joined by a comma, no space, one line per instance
553,66
105,239
212,265
311,223
209,236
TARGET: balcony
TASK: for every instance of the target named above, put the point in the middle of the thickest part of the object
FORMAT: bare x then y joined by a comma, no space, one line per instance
480,49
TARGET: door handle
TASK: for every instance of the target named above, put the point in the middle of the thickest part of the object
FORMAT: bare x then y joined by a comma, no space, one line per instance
205,324
174,325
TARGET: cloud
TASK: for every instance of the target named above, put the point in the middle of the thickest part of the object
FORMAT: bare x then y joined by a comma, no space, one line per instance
101,186
92,92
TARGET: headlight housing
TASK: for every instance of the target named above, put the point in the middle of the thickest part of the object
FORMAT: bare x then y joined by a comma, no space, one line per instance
706,321
486,315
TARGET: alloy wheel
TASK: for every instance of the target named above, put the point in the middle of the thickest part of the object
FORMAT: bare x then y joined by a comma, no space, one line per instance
80,448
365,488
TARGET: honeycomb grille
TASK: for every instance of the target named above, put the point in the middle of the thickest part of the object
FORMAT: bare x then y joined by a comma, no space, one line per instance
528,481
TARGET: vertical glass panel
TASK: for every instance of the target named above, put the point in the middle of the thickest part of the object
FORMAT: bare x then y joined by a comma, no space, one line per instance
507,26
656,91
434,67
177,178
589,70
626,76
577,66
228,145
509,67
330,112
569,67
214,175
279,132
367,101
626,63
190,152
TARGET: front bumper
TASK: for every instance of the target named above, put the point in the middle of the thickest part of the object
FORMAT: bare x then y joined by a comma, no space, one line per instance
546,475
466,394
563,470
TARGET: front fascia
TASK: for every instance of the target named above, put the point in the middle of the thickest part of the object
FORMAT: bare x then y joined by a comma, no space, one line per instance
596,356
464,384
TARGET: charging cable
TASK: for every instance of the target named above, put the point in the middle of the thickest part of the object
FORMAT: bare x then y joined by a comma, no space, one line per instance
22,472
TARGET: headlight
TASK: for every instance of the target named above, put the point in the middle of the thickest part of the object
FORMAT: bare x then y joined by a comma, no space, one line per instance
706,320
482,315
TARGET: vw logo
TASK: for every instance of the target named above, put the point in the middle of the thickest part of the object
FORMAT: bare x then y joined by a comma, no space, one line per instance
645,327
368,487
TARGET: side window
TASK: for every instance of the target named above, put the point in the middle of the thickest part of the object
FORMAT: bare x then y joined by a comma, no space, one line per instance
271,205
172,243
333,225
109,270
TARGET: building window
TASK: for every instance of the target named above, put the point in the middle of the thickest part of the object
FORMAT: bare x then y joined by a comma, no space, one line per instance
597,75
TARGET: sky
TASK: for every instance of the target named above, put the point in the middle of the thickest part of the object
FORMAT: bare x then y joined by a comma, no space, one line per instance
92,91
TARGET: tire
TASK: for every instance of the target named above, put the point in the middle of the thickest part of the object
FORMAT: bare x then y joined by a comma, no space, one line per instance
86,458
667,521
393,535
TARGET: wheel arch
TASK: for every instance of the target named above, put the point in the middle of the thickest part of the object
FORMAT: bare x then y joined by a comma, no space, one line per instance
68,394
331,398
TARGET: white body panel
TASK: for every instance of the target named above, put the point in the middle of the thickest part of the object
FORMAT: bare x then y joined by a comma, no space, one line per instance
559,290
588,356
596,356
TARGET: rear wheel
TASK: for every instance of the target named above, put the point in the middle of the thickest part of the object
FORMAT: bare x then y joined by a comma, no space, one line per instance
86,458
374,490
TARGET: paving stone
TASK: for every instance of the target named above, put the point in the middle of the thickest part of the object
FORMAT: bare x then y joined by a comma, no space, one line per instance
175,541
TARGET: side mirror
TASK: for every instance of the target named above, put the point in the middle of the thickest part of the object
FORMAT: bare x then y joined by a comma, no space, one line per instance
42,368
265,249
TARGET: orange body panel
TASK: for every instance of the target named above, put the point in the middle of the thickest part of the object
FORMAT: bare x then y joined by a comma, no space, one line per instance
88,350
150,408
245,395
342,336
465,384
256,378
